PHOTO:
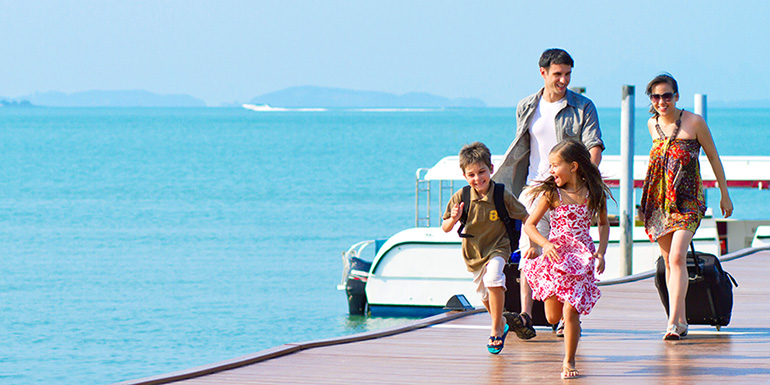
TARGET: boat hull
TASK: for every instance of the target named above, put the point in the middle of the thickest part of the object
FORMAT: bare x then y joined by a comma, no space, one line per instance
415,272
418,268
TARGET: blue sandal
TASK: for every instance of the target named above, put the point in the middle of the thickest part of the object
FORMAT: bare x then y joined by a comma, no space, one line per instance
496,349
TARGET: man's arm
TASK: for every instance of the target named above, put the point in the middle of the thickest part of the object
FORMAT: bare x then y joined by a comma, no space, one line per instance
596,155
592,134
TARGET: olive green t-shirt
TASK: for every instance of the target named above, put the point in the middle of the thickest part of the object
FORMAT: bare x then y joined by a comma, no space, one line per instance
490,238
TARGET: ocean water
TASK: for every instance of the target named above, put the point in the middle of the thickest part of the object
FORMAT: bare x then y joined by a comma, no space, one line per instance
137,242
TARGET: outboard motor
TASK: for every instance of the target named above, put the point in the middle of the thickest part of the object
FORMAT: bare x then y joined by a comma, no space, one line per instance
356,284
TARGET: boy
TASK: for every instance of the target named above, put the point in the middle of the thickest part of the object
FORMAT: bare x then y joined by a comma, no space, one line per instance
488,248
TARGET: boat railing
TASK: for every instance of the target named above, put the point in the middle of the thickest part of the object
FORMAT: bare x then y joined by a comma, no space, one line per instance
444,187
347,259
421,187
422,197
444,173
741,171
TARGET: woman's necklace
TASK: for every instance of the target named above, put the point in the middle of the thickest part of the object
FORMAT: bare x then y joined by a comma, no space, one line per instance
676,113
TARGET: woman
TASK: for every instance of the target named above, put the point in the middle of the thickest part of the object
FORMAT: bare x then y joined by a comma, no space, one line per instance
673,199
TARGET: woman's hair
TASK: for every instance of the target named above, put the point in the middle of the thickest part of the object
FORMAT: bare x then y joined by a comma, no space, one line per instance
574,151
662,78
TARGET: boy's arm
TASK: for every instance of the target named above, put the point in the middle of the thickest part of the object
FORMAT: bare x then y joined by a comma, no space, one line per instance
448,224
454,210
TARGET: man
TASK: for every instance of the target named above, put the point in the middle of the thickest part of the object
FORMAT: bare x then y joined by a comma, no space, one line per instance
544,119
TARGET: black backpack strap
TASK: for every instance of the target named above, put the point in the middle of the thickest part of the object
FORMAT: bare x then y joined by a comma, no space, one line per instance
466,200
513,227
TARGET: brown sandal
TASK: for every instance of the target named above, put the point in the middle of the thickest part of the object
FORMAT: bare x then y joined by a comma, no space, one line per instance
521,324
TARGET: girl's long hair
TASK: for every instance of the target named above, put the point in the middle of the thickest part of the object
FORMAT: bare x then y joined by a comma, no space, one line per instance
574,151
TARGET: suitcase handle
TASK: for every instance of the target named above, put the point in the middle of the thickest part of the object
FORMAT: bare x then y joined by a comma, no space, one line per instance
697,260
731,279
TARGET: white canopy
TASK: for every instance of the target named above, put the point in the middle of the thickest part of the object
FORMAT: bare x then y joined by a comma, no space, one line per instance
741,171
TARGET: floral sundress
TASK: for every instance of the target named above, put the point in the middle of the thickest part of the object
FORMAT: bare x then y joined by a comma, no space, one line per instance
672,195
572,278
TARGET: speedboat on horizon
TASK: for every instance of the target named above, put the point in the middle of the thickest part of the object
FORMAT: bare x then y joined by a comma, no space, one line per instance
268,108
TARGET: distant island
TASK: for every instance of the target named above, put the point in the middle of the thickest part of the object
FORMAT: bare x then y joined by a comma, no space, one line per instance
131,98
15,103
324,97
292,97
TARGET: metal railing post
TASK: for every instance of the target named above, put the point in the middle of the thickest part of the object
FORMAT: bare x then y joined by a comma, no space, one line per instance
700,105
626,203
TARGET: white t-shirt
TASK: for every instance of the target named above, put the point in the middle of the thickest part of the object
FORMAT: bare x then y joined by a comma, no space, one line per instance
542,138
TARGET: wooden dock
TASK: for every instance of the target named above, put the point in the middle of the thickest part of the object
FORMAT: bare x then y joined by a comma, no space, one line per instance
621,344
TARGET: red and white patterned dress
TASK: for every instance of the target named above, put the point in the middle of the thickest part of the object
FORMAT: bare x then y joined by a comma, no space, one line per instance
571,279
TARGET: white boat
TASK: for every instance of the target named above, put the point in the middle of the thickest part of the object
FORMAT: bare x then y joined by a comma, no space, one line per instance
761,237
417,270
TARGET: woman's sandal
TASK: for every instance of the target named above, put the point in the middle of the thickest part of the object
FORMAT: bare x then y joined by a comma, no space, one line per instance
682,328
568,373
672,333
496,349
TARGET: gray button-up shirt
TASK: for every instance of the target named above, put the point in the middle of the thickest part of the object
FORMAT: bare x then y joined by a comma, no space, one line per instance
576,120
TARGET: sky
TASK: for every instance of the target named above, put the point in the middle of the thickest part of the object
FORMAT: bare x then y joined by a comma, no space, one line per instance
226,52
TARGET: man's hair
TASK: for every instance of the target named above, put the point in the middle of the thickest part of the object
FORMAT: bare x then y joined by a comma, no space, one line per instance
475,152
555,56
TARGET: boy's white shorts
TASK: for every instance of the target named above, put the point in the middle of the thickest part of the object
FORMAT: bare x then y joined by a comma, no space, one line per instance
491,275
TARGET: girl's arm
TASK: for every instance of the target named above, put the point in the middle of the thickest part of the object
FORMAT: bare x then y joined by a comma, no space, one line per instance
703,134
530,228
604,235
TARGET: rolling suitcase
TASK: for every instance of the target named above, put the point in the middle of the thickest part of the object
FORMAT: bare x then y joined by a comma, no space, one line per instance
513,298
709,299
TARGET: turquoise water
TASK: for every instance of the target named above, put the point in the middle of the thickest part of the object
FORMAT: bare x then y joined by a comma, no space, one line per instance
138,242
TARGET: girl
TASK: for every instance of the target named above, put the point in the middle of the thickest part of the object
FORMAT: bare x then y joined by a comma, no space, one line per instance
563,277
672,198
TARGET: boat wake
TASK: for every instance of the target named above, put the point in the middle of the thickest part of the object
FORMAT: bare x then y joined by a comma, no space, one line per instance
267,108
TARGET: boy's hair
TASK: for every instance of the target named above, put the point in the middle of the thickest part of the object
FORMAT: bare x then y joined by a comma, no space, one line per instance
574,151
475,152
665,77
555,56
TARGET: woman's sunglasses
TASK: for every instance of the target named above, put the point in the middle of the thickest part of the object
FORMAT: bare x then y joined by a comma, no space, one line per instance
667,97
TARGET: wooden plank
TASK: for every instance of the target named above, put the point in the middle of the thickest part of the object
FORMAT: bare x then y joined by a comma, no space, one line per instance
621,343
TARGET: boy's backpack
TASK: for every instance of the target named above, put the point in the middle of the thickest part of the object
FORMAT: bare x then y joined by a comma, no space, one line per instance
512,226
